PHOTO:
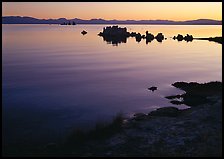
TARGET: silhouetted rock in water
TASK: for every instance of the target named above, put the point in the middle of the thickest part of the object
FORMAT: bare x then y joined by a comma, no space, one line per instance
159,37
133,34
64,23
147,41
115,34
100,34
196,94
174,96
149,37
188,38
138,37
166,111
73,23
153,88
176,102
215,39
84,32
179,37
115,31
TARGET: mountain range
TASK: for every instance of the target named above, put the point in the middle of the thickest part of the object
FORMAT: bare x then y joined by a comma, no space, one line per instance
31,20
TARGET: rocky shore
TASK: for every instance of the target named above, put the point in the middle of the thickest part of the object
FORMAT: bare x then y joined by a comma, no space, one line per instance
167,131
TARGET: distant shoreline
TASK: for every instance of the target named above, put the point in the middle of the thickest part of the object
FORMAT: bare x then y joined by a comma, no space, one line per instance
31,20
114,24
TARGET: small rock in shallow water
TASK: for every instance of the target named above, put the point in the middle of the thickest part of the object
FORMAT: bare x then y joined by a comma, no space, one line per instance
152,88
176,102
84,32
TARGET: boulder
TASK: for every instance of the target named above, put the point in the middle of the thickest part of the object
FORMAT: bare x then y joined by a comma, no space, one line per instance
153,88
138,37
84,32
176,102
188,38
179,37
159,37
133,34
149,37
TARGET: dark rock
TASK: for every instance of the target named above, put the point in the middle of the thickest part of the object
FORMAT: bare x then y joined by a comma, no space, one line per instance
196,94
100,34
188,38
143,37
133,34
69,23
159,37
115,31
138,37
179,37
115,34
176,102
166,111
149,37
174,96
153,88
84,32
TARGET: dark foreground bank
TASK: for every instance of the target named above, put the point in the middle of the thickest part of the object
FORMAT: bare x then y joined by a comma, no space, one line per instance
164,132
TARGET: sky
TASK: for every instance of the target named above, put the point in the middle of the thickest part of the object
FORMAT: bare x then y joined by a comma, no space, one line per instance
178,11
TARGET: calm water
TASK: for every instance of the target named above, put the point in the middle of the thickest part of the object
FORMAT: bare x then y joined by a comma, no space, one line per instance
55,79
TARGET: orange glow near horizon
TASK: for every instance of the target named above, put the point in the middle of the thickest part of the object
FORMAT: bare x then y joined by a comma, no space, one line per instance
178,11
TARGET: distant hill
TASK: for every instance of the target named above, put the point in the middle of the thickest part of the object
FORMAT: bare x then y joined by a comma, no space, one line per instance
31,20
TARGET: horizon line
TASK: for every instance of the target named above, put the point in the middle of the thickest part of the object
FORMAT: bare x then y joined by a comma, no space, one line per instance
109,19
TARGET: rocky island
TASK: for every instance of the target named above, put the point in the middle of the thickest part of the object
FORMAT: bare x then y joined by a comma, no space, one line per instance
117,35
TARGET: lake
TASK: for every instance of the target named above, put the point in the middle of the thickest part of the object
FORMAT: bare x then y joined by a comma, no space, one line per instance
55,79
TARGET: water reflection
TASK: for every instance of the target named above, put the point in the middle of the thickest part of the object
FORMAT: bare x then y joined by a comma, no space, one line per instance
114,40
